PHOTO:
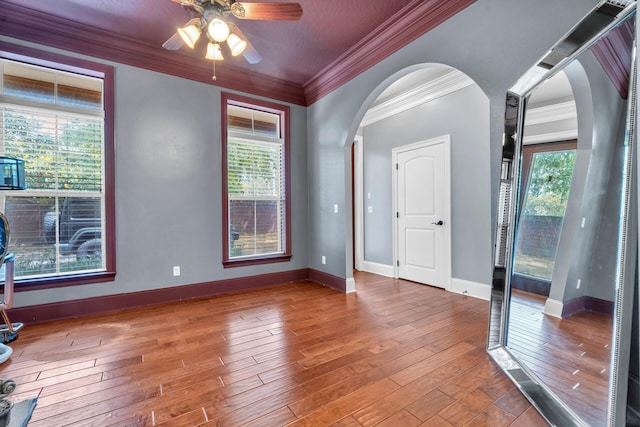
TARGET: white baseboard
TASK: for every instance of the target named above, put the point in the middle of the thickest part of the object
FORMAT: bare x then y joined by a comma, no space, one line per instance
553,308
351,285
472,289
460,286
381,269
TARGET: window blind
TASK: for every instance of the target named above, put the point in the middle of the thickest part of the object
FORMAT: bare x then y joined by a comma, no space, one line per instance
54,122
255,183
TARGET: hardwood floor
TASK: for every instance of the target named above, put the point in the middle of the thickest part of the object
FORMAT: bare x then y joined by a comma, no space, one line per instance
571,355
393,354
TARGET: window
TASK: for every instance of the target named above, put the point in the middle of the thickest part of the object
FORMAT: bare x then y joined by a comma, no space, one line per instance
547,171
56,115
255,182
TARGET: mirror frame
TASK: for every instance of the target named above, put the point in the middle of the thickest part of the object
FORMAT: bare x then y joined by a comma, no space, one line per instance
581,37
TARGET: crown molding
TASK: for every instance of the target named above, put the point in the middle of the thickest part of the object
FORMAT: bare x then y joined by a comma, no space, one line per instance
433,89
614,54
550,137
551,113
33,26
412,21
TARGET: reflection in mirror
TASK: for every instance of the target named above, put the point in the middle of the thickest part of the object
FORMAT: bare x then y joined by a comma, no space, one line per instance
565,244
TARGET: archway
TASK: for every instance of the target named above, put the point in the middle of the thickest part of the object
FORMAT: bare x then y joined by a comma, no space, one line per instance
413,105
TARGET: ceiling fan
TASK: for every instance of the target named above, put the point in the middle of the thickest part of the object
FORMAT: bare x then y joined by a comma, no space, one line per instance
213,19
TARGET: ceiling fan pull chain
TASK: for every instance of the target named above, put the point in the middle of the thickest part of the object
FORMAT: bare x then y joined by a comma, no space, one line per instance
214,71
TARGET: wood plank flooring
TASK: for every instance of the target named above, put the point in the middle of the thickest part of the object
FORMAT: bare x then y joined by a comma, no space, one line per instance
393,354
571,355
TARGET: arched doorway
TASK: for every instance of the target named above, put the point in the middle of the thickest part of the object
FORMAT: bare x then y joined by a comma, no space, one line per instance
417,105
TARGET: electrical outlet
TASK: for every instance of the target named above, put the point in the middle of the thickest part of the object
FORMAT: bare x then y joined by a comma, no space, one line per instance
335,208
324,259
176,270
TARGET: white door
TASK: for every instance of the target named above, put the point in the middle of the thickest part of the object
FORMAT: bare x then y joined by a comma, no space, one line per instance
422,217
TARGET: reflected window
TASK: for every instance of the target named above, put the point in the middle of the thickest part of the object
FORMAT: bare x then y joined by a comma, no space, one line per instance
547,170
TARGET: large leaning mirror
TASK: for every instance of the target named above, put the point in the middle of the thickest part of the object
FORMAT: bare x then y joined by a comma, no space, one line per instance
565,253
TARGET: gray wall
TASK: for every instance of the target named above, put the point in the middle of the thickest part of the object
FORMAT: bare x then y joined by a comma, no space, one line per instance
493,42
589,253
610,114
464,115
168,189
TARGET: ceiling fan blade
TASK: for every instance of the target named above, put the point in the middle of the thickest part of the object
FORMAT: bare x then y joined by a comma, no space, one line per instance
250,53
270,11
174,42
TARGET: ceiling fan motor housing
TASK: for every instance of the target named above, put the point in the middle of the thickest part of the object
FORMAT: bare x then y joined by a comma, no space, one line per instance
210,7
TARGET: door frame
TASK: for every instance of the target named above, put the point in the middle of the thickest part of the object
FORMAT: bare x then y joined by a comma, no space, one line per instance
446,141
358,208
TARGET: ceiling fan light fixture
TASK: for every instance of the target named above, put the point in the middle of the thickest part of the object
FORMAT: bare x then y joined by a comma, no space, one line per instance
190,33
212,21
236,44
218,30
214,52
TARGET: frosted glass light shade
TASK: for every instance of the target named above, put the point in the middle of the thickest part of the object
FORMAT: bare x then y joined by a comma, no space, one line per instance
214,52
236,44
190,33
218,30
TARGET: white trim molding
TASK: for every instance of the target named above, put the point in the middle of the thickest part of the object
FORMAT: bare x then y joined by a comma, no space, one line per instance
551,113
433,89
381,269
358,209
350,285
548,114
553,308
551,137
472,289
